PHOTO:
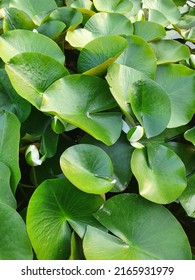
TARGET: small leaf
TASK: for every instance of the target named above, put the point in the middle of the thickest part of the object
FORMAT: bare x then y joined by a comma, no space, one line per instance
148,30
151,106
32,156
14,241
187,199
135,133
52,29
160,173
138,230
91,165
53,208
114,6
190,135
168,51
97,55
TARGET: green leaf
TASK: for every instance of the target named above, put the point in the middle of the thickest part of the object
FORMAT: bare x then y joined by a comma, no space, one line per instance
160,173
49,141
34,7
9,99
98,54
149,31
91,165
53,208
120,79
139,229
36,72
109,24
158,17
9,145
19,41
114,6
168,51
190,135
166,7
70,16
139,55
84,107
187,199
178,82
14,241
6,195
52,29
15,19
151,106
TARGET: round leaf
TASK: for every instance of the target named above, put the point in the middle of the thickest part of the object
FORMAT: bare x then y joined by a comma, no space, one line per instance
148,30
53,207
14,241
139,227
151,106
178,82
187,199
19,41
168,51
91,165
98,54
160,173
139,55
114,6
52,29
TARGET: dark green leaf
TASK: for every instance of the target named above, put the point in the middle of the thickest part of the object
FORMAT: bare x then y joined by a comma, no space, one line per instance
187,199
52,29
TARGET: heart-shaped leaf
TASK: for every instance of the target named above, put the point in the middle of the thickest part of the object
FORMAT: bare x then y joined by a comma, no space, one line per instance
14,241
148,30
151,106
114,6
19,41
160,173
179,83
187,199
9,145
91,165
98,54
139,55
139,227
53,208
168,51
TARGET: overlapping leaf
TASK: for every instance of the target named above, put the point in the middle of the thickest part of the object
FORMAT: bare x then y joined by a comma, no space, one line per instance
116,6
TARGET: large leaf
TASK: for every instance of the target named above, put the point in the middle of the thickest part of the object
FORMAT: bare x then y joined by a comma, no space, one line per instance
19,41
82,106
142,231
168,51
53,207
120,79
179,83
148,30
166,7
139,55
114,6
98,54
91,165
6,195
187,199
14,241
9,145
160,173
36,72
151,106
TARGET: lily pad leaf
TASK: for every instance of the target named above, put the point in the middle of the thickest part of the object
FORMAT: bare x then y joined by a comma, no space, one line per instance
190,135
139,55
98,54
179,83
138,229
14,241
9,99
6,195
91,165
19,41
9,145
151,106
187,199
53,208
114,6
52,29
158,17
80,37
151,166
36,72
148,30
168,51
